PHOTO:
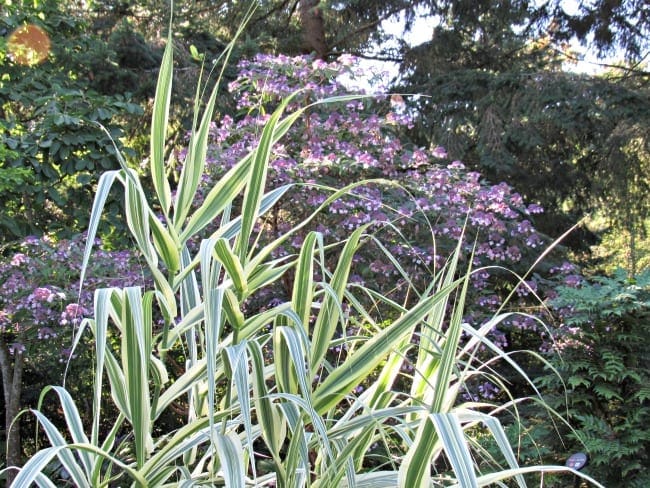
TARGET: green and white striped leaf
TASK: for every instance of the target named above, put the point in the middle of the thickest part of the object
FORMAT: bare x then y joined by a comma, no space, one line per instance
104,186
232,310
159,121
360,364
232,264
455,445
194,164
231,456
166,244
257,180
65,455
235,362
303,287
375,479
296,462
217,199
273,425
499,434
192,376
213,325
330,311
136,350
73,422
492,478
31,472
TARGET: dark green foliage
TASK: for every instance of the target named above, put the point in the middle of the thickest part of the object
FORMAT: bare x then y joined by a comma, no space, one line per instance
498,98
605,364
608,25
52,135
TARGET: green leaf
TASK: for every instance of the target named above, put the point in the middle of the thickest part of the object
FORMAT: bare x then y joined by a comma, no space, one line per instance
195,53
159,121
330,311
232,458
232,265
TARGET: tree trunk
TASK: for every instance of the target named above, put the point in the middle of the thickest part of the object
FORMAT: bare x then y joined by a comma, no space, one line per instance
12,377
631,254
313,28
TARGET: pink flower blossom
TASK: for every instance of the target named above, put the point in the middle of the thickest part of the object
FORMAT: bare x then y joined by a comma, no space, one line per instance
456,165
347,59
43,294
18,259
72,314
439,152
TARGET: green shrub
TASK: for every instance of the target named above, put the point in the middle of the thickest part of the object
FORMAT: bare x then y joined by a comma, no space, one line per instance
605,363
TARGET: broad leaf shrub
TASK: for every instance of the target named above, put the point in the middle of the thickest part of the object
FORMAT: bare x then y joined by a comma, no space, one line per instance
265,400
604,363
51,116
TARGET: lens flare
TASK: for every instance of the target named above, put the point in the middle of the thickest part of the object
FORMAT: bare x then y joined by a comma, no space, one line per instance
28,45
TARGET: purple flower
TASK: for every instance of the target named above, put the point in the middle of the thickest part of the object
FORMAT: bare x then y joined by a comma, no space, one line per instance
31,241
513,253
488,390
439,152
533,208
456,165
16,348
43,294
573,281
336,144
72,314
46,333
526,287
566,267
66,353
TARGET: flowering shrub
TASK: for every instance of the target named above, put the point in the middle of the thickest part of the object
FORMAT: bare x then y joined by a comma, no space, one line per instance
431,199
40,309
39,292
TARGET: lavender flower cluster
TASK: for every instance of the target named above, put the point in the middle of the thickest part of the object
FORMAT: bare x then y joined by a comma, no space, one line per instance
40,302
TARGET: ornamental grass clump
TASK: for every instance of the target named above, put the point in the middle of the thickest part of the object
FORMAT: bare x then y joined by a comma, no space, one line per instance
416,222
265,400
